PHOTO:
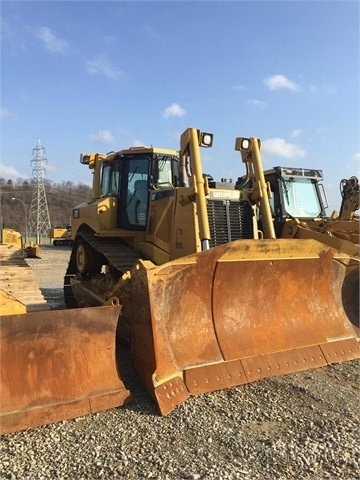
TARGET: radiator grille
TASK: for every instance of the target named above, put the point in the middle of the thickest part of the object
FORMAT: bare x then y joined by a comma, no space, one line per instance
229,220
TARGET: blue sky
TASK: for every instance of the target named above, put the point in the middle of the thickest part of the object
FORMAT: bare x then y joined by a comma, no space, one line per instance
100,76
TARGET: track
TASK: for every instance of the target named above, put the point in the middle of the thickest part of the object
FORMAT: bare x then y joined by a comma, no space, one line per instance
117,254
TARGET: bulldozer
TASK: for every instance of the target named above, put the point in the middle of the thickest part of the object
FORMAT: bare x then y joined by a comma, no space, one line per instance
9,236
61,236
202,296
298,205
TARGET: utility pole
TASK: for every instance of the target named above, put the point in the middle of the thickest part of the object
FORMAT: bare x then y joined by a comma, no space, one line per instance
26,222
39,220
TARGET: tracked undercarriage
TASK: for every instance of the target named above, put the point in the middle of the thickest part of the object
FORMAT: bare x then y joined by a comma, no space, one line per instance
96,263
98,274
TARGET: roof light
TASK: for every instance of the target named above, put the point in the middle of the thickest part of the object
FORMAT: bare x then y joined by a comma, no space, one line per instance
242,144
84,158
206,139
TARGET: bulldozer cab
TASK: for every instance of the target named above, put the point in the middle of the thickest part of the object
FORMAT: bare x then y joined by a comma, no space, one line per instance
142,173
299,191
160,204
295,193
128,176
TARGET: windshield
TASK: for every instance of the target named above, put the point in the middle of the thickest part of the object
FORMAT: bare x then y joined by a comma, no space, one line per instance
300,197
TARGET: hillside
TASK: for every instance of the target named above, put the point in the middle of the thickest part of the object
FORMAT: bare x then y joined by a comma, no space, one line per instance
61,197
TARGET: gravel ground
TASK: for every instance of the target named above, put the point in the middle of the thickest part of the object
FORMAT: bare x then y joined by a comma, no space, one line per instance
299,426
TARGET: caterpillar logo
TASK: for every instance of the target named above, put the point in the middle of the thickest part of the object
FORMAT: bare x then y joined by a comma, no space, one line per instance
226,195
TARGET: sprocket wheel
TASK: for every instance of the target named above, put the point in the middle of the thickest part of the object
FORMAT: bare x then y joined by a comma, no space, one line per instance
87,260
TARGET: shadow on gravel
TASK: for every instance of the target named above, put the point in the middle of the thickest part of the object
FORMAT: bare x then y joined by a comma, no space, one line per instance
54,297
142,401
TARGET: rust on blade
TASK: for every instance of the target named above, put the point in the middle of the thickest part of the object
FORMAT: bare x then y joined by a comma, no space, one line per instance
57,365
215,377
281,363
169,394
243,311
278,304
341,351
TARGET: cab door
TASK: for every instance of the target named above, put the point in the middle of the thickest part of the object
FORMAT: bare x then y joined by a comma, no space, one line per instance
134,195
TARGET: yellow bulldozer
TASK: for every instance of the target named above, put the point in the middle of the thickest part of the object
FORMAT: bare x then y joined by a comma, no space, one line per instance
189,273
298,201
11,237
61,236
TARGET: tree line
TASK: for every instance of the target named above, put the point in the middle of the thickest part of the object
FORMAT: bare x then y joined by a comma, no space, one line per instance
16,198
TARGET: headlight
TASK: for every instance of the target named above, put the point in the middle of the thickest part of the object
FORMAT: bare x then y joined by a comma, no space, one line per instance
84,158
242,144
206,139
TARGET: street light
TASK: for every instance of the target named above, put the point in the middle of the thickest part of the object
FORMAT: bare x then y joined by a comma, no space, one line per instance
26,224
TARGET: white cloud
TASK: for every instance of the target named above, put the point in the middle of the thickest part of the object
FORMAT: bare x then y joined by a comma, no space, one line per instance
278,147
296,132
280,82
101,65
259,104
174,110
7,171
103,136
53,43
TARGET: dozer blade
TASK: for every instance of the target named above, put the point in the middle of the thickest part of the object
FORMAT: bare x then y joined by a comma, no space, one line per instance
57,365
31,251
241,312
10,305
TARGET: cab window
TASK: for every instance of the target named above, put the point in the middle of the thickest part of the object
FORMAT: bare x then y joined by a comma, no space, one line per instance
136,194
300,197
110,179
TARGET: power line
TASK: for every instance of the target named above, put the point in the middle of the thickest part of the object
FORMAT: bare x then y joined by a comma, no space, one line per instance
39,220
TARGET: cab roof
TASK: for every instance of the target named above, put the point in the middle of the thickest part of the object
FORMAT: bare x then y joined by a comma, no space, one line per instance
142,149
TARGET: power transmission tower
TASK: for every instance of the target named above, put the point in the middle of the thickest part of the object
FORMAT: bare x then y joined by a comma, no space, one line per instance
39,220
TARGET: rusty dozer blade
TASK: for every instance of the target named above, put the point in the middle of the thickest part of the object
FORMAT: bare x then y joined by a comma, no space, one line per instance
57,365
241,312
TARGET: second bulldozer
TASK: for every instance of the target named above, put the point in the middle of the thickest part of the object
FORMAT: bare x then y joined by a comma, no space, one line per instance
298,200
